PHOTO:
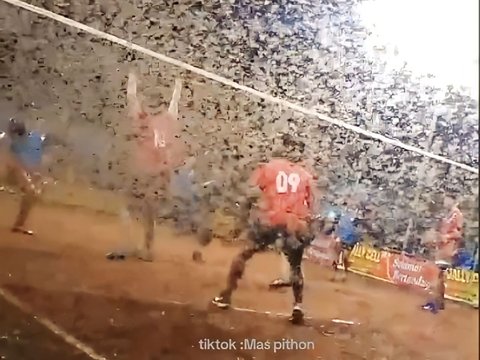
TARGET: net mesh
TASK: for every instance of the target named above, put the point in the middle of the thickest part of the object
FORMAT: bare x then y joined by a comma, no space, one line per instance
73,85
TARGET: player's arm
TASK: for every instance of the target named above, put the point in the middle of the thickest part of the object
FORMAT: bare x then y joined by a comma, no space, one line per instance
250,194
52,140
135,106
177,90
4,154
256,184
3,142
256,179
312,193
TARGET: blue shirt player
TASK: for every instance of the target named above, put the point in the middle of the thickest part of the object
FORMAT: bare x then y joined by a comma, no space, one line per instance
346,235
26,151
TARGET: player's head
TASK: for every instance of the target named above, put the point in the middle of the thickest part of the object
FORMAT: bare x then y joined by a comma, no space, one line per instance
291,155
16,128
333,215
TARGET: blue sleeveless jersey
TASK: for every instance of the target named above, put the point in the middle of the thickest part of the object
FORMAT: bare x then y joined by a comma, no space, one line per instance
347,231
28,150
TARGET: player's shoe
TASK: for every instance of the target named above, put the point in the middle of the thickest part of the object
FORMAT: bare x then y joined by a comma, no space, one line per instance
114,255
197,257
145,255
297,315
21,230
279,283
221,302
430,306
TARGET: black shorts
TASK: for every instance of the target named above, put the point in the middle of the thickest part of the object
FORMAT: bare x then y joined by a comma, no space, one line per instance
264,236
153,187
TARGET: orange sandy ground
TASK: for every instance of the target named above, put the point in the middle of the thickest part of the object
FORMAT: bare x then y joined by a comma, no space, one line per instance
120,308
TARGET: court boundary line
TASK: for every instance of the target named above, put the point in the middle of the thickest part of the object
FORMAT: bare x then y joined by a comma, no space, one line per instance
234,308
49,325
231,83
87,350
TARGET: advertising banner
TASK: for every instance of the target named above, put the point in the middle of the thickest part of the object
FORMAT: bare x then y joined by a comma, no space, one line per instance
398,269
402,270
463,285
367,260
408,271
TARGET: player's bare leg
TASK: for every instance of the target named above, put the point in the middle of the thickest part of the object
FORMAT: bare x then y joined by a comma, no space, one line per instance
436,298
204,238
26,205
295,259
156,196
336,265
338,261
440,293
30,192
237,269
286,275
346,264
285,280
126,246
148,219
177,90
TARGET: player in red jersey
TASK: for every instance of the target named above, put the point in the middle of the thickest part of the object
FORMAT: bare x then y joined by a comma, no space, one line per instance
446,247
282,217
158,150
451,229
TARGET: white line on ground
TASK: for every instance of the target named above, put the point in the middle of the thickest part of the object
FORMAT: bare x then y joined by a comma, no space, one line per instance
225,81
69,339
268,313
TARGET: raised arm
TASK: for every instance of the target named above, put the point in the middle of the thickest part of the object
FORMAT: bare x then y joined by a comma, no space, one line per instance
52,140
173,108
135,107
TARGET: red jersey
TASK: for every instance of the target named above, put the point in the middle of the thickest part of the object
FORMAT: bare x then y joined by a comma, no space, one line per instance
453,224
159,147
286,194
450,233
158,143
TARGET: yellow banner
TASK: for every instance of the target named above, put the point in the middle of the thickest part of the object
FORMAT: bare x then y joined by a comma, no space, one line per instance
462,284
365,259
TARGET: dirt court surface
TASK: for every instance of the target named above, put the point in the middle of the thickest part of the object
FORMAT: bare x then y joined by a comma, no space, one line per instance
22,337
123,310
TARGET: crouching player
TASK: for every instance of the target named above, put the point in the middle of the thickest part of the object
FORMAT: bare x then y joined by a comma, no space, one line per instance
281,217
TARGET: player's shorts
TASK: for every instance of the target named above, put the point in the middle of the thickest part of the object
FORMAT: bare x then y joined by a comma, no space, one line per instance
147,193
264,236
149,186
